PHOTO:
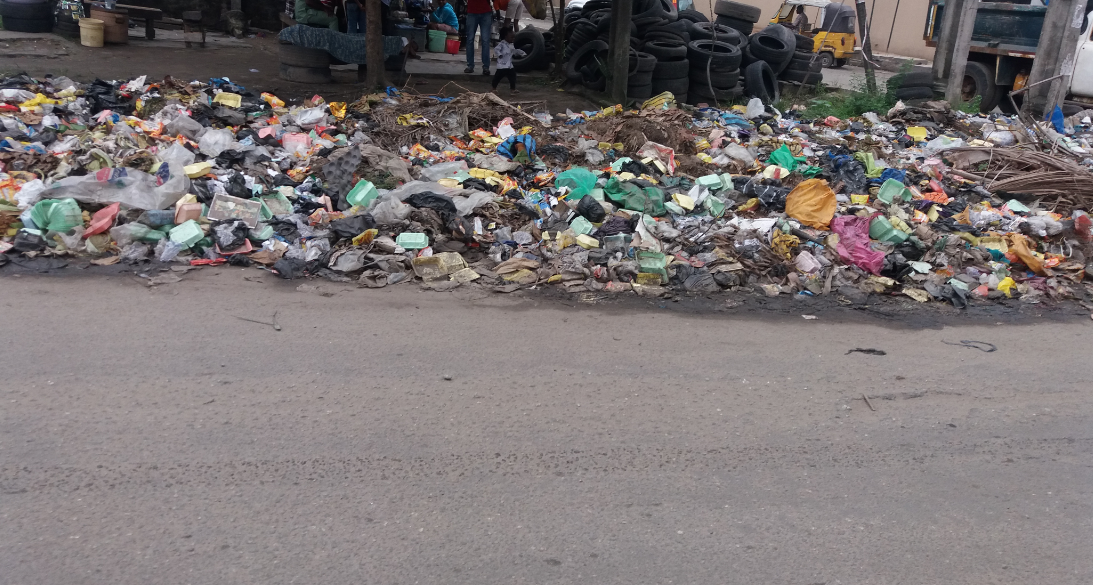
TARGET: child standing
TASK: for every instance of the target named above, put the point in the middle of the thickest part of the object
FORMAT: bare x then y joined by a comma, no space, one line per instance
503,52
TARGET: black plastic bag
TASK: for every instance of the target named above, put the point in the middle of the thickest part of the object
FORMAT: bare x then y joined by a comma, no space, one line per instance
229,234
229,157
852,175
237,186
290,268
285,228
701,282
591,209
28,242
240,260
353,226
200,189
442,204
770,193
615,225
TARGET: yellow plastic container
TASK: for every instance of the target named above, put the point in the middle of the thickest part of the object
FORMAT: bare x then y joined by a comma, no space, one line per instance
91,32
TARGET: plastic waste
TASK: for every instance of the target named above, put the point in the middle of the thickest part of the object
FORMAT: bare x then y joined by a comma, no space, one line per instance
812,203
854,246
580,180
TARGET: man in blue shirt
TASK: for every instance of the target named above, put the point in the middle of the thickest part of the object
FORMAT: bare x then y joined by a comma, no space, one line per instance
444,19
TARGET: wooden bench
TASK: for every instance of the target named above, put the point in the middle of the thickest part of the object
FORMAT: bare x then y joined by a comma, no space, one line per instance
149,15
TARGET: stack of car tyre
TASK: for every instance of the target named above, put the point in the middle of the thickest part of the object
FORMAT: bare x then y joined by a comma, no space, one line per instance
714,71
538,48
737,15
639,84
768,54
34,16
805,67
916,84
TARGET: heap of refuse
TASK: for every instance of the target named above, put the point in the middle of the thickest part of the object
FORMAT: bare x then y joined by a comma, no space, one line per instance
921,201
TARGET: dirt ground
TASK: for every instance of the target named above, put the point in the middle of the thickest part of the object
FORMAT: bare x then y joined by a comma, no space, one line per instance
255,67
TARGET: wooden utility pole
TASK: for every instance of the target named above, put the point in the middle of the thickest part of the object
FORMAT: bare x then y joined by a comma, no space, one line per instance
946,36
962,44
866,48
619,56
375,78
1054,56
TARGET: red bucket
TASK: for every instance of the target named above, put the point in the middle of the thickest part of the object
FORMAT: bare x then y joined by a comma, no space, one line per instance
452,46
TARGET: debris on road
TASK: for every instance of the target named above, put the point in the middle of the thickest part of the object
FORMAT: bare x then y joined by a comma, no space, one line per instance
921,201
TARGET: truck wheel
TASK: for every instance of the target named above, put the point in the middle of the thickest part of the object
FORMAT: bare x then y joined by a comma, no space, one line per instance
979,81
827,60
839,63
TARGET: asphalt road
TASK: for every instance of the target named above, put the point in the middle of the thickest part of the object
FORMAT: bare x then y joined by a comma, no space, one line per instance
147,435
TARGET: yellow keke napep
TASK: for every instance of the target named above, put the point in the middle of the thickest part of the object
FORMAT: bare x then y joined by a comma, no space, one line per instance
834,39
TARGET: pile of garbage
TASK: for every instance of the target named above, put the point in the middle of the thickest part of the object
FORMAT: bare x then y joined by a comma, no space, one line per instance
398,187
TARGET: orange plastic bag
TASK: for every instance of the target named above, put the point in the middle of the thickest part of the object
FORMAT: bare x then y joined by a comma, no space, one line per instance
812,203
1019,248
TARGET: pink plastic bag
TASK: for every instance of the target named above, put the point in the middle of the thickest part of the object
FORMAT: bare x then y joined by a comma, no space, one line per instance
854,244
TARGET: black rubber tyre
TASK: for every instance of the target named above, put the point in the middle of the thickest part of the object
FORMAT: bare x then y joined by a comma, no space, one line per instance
643,24
642,78
21,12
594,5
305,74
914,93
693,16
699,93
805,44
654,8
670,10
28,25
786,35
708,30
531,41
594,79
639,92
759,81
979,81
803,55
666,50
827,60
737,10
744,27
805,77
580,58
914,78
668,70
664,35
769,48
642,62
676,86
66,28
719,79
719,54
796,64
303,57
839,63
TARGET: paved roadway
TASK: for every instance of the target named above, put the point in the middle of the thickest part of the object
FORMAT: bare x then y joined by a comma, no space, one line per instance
149,436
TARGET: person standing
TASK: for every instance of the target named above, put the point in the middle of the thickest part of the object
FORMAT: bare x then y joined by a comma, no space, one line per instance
513,10
479,19
354,17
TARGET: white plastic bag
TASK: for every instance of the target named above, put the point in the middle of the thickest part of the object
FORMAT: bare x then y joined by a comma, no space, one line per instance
443,170
130,187
755,108
390,211
213,142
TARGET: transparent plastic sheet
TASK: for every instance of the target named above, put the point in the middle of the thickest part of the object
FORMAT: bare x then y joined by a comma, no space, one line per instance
130,187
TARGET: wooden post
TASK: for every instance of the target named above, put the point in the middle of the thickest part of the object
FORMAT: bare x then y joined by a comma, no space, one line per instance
373,48
961,46
946,36
866,48
619,57
1055,55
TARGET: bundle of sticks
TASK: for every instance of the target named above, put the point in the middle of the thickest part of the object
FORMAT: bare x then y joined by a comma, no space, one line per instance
1061,183
470,111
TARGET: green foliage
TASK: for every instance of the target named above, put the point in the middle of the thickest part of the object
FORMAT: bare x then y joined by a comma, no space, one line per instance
849,104
971,107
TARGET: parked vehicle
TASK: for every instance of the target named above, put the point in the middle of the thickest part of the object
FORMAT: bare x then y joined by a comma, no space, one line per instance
1004,41
834,39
